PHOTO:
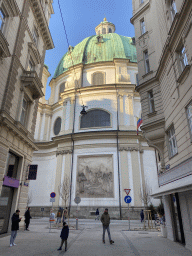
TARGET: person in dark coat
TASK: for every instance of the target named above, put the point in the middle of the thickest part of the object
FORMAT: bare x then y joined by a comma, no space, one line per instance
97,214
105,219
64,235
14,227
27,218
142,215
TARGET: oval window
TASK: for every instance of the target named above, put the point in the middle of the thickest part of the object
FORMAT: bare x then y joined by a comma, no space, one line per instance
57,126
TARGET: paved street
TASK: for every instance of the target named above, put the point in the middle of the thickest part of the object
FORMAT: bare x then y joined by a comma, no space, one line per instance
88,241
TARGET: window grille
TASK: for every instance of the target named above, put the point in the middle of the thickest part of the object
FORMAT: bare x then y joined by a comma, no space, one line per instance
98,78
95,118
172,142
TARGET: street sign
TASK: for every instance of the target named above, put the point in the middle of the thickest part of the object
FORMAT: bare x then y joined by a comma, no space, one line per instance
52,195
52,200
127,191
127,199
77,200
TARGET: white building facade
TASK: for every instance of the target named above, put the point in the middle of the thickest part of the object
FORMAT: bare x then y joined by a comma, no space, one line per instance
100,152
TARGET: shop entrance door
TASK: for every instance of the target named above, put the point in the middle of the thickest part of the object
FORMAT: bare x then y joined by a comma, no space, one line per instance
7,192
178,225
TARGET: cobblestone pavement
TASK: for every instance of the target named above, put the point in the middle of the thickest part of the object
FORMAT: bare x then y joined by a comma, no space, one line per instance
88,241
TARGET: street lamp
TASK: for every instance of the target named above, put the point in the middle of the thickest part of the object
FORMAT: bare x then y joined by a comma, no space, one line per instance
83,111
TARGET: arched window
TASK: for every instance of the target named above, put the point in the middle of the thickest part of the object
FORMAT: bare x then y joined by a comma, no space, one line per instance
57,126
61,89
110,30
95,118
98,78
103,30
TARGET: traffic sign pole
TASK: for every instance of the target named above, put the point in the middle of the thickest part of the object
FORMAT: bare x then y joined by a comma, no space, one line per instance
128,200
129,217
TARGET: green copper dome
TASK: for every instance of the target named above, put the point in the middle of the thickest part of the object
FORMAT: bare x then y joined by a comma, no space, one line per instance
91,51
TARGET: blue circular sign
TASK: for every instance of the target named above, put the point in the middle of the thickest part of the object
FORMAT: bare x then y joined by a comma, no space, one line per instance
53,195
127,199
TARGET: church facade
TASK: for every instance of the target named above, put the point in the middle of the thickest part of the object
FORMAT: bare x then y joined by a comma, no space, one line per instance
99,152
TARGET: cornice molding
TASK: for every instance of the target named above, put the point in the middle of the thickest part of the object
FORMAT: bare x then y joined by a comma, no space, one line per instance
139,12
64,152
4,46
42,22
130,149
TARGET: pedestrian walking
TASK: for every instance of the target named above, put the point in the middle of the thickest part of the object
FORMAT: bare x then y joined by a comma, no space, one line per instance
64,235
142,215
97,214
65,214
105,219
58,216
14,227
27,218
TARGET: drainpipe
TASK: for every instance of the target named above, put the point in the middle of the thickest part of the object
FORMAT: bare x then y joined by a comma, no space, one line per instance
118,156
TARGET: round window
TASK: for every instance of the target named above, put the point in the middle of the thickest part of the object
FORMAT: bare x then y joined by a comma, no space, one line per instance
57,126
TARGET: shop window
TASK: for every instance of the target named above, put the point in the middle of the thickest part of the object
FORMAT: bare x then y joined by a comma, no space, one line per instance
95,118
12,165
172,142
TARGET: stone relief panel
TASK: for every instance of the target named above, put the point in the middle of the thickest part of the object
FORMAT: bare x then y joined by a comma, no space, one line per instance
95,177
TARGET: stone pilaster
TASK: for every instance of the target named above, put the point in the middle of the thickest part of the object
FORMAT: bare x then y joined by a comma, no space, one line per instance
63,118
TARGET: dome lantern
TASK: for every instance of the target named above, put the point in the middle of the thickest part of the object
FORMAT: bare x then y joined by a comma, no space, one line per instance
105,27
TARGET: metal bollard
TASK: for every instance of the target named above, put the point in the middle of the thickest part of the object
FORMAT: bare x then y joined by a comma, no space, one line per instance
76,223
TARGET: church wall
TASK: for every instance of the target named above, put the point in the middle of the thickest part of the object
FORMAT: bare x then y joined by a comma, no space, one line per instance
97,152
56,113
106,102
45,182
132,71
109,74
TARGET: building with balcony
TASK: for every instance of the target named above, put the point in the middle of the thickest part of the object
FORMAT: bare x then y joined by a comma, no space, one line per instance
163,37
24,38
99,153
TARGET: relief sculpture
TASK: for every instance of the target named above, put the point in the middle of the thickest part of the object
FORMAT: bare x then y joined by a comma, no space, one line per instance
95,177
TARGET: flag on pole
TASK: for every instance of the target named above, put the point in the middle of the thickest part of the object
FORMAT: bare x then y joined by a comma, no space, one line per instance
139,122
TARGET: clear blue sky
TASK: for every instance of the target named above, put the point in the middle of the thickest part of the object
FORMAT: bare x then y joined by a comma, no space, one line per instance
81,17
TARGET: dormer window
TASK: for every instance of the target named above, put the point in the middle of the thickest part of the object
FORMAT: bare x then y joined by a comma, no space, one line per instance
99,39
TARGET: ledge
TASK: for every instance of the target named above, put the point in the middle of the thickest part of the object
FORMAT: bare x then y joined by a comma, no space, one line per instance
4,47
152,114
184,73
150,72
12,7
42,22
32,81
139,12
144,34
